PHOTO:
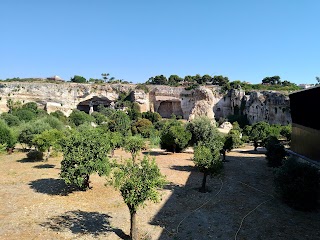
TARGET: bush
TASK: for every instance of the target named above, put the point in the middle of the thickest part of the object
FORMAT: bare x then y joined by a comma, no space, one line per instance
174,137
35,155
143,126
276,153
6,135
298,184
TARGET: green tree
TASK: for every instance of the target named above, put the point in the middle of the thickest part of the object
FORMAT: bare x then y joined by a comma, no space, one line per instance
120,122
152,116
259,132
143,126
78,79
84,153
202,129
59,115
138,183
10,119
47,139
174,136
158,80
78,117
6,136
286,132
30,130
134,144
232,140
207,159
174,80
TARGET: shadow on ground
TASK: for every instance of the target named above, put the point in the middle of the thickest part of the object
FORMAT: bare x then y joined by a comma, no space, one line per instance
51,186
41,166
28,160
80,222
239,205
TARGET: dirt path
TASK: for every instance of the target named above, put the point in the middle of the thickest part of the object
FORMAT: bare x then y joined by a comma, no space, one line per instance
240,204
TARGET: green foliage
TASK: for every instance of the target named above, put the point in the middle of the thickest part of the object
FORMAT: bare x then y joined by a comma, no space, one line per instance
152,116
120,122
207,158
298,184
84,153
233,139
154,139
99,118
10,119
134,144
242,120
106,111
286,132
30,129
138,182
6,135
134,111
78,79
276,153
143,127
78,117
47,139
35,155
59,115
202,129
174,136
24,114
259,132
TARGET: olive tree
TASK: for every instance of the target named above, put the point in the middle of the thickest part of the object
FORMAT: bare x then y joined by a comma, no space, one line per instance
138,183
84,152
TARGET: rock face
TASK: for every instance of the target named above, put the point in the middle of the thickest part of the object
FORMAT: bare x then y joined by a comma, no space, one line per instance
64,96
272,107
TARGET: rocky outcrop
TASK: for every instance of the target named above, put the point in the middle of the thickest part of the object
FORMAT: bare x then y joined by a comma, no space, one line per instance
272,107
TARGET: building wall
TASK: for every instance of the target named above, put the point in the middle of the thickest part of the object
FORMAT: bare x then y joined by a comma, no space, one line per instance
306,141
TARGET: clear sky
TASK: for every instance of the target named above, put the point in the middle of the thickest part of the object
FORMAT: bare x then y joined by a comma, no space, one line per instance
244,40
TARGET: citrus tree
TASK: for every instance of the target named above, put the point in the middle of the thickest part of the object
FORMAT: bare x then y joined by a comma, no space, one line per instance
138,183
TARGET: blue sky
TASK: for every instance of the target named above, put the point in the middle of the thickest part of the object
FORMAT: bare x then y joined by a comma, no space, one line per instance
244,40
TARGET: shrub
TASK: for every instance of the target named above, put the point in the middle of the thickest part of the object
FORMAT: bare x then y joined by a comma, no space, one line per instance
10,119
35,155
6,135
275,152
174,136
298,184
143,126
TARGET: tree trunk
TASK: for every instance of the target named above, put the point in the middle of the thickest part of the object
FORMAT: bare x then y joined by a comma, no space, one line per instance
255,144
204,181
133,228
86,182
48,155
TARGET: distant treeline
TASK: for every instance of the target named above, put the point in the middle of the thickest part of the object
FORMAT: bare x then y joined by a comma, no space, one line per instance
189,82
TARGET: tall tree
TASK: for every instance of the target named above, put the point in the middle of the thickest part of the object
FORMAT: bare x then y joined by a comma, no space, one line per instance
138,183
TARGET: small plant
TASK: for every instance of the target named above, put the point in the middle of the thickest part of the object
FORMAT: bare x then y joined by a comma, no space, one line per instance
298,184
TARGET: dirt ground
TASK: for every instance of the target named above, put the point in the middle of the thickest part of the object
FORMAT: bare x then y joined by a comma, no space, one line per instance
241,203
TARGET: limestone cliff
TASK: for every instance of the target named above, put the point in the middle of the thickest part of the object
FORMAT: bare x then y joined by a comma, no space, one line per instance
267,106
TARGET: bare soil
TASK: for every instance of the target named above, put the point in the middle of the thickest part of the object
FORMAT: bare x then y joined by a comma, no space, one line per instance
241,203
